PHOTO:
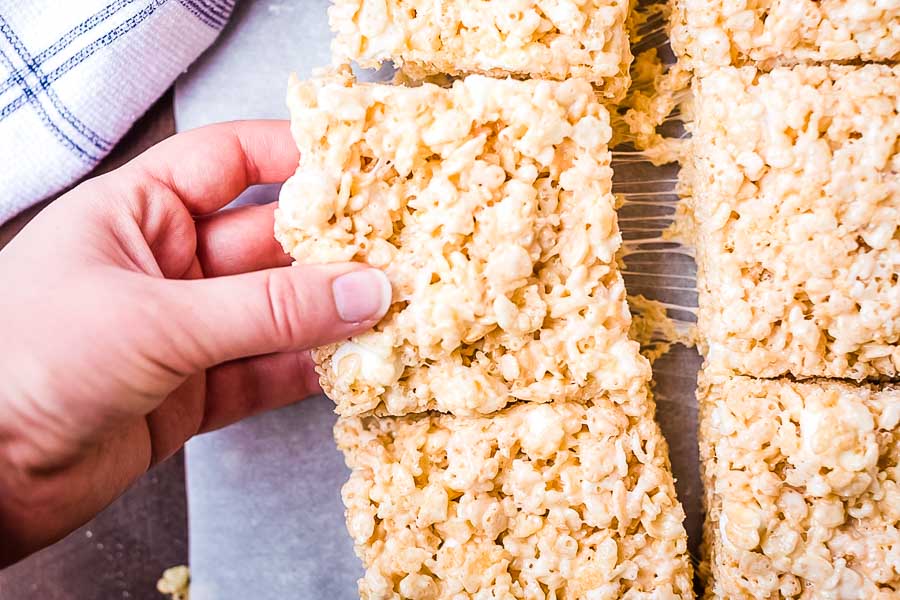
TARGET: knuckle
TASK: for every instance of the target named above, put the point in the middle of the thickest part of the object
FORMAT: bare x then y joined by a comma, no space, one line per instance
287,306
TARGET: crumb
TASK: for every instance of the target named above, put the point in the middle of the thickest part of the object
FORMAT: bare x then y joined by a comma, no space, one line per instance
175,583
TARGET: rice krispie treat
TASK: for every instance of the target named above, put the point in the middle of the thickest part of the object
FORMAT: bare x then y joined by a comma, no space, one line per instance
558,500
708,34
489,206
540,39
802,489
794,187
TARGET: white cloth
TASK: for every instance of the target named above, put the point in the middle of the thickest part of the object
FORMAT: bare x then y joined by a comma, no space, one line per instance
76,74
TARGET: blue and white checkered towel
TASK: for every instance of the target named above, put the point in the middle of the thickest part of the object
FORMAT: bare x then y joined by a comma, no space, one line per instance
76,74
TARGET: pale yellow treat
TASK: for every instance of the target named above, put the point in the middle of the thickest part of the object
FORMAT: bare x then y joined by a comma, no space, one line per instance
802,489
551,39
489,206
558,500
708,34
794,187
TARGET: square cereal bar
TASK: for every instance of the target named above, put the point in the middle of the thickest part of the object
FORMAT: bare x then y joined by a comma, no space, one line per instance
558,500
489,206
708,34
794,186
802,489
540,39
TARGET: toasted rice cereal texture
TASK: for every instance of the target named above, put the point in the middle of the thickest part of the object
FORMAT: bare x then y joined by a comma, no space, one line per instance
552,39
489,206
558,500
708,34
802,489
794,187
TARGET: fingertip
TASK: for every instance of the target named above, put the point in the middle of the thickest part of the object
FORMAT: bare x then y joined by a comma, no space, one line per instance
387,294
362,296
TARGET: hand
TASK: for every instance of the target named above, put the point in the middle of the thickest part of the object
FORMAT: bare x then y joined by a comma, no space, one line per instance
133,316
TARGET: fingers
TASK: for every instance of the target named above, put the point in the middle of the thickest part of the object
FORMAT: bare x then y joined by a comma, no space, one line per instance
177,419
226,394
275,310
208,167
239,240
241,388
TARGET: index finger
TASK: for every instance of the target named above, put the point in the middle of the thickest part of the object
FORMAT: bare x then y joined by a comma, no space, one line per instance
210,166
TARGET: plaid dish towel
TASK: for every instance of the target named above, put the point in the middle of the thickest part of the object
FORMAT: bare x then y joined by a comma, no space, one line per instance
76,74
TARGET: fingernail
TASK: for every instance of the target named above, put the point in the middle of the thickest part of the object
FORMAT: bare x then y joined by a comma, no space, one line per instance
361,295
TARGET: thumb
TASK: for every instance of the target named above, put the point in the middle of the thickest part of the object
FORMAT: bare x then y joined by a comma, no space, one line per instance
276,310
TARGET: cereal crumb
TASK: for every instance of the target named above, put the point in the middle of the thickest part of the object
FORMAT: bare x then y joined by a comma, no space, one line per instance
175,583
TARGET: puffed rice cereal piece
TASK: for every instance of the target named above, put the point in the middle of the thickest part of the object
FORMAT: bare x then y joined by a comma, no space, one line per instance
794,186
540,39
489,206
560,500
802,489
708,34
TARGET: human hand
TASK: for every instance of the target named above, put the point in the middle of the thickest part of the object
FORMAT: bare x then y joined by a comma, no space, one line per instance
133,317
